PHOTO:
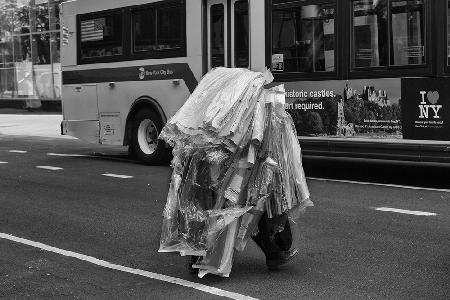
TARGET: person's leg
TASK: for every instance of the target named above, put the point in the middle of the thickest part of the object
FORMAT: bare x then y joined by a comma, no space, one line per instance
283,239
263,240
275,255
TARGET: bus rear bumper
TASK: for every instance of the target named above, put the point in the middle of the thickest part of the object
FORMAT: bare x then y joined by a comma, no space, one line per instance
86,130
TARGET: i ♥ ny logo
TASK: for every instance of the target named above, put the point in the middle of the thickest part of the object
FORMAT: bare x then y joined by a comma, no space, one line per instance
433,97
425,108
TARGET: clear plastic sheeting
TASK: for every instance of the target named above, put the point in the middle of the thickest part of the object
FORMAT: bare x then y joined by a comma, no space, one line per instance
236,158
219,110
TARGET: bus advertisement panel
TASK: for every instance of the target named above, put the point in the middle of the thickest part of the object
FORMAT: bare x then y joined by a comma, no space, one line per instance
355,108
387,108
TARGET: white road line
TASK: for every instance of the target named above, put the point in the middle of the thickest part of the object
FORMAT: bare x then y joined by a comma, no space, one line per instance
382,184
18,151
105,264
117,176
49,168
405,211
3,162
66,155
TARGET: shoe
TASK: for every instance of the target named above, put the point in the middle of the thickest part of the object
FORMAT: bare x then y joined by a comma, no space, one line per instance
283,258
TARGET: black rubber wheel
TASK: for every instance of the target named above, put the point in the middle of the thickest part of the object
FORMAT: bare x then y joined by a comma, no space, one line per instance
144,144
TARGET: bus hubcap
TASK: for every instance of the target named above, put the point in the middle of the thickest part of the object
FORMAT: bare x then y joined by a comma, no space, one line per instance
147,136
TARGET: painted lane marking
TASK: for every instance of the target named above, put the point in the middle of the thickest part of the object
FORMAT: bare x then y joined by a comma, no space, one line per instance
3,162
49,168
382,184
66,155
17,151
117,176
95,155
405,211
105,264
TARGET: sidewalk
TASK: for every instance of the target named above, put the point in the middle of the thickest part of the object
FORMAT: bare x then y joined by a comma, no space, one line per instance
31,124
48,126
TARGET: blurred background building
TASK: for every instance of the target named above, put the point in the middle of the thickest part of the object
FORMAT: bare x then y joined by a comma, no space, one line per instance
30,69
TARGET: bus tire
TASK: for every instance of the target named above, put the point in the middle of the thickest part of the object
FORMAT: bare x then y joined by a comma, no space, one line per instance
144,143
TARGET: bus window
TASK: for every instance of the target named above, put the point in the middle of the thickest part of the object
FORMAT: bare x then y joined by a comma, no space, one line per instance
169,35
217,33
241,34
373,29
158,29
407,37
101,35
302,37
144,24
370,26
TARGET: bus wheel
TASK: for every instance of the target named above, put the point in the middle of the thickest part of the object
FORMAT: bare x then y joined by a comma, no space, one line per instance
144,143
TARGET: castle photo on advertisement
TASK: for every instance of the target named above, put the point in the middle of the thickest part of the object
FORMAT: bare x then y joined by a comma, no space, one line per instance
360,109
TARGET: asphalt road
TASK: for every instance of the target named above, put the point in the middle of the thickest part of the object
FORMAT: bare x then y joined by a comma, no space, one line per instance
348,249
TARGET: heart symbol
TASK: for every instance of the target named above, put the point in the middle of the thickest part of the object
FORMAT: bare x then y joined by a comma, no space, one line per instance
433,97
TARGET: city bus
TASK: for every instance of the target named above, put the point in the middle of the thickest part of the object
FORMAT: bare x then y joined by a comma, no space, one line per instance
363,78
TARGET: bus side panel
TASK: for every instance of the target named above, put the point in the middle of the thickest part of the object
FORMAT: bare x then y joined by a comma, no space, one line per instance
84,130
194,29
80,112
257,36
116,102
194,37
68,34
80,101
